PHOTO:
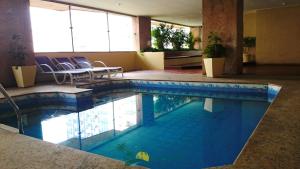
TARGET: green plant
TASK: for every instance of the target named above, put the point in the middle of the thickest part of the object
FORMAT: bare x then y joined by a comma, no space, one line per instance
17,51
178,38
161,36
214,47
190,40
249,42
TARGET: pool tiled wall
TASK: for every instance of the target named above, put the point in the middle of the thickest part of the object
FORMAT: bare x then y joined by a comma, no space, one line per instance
84,100
273,91
217,90
67,101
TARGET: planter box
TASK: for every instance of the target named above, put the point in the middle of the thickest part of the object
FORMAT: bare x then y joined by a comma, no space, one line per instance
162,60
24,75
214,66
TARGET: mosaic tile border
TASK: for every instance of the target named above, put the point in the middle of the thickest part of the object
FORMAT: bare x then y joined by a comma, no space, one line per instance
273,91
256,91
227,87
200,86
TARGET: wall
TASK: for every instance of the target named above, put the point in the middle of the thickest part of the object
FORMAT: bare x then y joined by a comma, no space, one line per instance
278,36
123,59
250,24
249,31
14,19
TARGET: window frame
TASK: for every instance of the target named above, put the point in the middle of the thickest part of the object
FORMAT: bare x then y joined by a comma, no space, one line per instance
107,12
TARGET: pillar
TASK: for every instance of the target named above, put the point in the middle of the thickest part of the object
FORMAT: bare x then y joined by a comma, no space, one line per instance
196,31
143,32
14,19
226,18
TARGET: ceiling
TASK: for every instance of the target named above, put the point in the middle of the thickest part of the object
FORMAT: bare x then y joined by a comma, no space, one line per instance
185,12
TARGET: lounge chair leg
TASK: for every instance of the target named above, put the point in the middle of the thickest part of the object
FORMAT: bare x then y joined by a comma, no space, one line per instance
71,79
122,71
56,79
91,74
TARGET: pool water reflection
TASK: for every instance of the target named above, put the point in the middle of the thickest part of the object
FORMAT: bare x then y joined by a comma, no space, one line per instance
81,130
177,131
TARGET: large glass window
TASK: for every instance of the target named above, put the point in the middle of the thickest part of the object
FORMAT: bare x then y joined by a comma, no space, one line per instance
121,32
89,30
56,29
51,29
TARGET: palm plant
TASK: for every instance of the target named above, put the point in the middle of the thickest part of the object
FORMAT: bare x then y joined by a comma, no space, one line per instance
214,48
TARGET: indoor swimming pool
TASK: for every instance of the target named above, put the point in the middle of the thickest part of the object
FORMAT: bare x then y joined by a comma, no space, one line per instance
180,128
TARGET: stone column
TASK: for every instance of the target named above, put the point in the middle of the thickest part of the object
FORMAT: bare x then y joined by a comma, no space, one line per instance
143,32
197,33
14,19
226,18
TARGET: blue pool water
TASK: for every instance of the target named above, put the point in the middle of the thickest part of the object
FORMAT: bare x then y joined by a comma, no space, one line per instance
177,131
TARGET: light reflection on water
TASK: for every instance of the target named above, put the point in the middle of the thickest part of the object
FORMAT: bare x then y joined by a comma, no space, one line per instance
112,117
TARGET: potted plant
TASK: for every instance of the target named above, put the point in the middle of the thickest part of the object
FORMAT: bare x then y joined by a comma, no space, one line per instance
249,43
24,75
214,56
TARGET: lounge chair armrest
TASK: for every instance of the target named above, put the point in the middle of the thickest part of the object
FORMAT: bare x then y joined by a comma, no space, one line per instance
47,66
71,65
85,63
53,73
98,61
68,65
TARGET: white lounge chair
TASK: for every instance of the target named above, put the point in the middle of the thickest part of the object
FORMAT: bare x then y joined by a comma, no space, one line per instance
96,73
83,62
48,67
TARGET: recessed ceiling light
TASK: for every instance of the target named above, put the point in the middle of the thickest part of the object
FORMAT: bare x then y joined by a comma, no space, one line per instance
283,4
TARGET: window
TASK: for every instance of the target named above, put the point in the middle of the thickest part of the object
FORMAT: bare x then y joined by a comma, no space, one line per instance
57,29
51,29
121,32
89,30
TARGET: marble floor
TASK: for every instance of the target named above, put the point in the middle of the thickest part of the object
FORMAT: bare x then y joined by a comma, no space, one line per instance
43,88
274,144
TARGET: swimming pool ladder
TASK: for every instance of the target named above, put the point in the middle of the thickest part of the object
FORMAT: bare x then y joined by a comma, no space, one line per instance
15,107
